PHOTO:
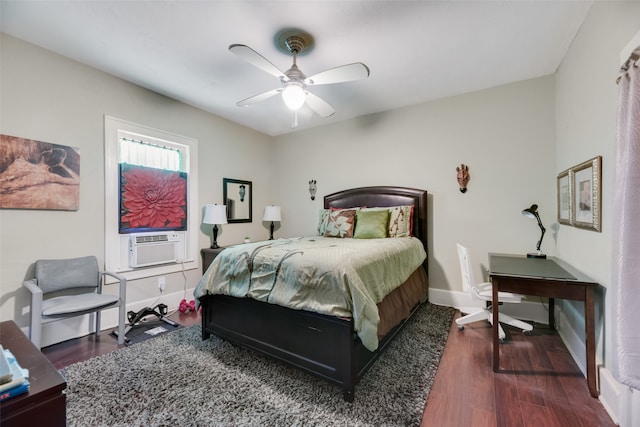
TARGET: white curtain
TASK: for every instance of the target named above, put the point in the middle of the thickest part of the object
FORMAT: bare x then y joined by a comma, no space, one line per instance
625,290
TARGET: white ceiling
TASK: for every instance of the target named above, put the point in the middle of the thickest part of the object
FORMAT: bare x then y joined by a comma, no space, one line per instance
417,51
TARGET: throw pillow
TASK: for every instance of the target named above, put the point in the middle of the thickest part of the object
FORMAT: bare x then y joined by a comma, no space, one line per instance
340,223
372,224
401,221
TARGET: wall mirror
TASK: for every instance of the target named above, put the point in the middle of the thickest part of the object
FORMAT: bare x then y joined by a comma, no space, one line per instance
237,196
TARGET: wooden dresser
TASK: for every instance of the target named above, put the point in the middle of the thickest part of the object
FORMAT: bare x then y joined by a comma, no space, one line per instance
45,402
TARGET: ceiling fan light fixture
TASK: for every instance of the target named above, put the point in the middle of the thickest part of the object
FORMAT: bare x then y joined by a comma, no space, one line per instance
293,82
294,96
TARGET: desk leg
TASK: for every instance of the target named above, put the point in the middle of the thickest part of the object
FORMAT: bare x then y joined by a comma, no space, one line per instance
494,309
552,314
590,337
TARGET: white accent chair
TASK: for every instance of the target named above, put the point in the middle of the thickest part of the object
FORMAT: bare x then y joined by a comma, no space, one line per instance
483,292
65,288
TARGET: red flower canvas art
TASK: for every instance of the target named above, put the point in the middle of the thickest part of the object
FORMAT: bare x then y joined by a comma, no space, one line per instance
152,199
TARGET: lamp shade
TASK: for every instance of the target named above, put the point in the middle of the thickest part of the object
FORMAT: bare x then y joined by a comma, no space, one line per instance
271,213
531,212
294,96
215,214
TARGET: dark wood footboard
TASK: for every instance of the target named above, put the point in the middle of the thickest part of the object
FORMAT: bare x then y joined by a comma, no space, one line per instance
321,345
318,344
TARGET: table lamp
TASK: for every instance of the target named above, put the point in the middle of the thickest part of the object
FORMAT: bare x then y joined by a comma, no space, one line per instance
532,212
215,214
271,213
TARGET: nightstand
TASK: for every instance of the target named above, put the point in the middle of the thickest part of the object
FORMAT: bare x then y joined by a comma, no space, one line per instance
208,255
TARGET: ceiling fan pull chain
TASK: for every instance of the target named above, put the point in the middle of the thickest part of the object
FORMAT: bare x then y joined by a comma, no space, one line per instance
294,123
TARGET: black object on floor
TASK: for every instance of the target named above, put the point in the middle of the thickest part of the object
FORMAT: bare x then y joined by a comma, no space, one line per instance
149,329
138,330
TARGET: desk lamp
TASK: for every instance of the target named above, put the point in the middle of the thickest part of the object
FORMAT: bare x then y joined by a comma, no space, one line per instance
271,213
215,214
532,212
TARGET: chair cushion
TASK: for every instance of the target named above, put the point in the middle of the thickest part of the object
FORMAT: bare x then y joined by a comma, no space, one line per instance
65,305
57,274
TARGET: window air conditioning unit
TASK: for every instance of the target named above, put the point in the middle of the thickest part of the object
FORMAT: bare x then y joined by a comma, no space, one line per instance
153,249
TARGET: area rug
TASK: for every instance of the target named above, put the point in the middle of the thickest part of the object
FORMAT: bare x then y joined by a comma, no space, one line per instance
177,379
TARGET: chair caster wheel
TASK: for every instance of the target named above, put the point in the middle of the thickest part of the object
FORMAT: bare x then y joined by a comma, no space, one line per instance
461,327
527,333
501,340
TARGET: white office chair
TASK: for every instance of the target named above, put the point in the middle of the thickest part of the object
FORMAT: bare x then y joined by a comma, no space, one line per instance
483,292
65,288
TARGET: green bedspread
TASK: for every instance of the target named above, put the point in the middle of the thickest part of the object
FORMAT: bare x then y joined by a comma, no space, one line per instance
339,277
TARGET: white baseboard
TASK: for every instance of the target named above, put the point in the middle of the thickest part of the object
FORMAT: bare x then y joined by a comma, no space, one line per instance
621,402
66,329
610,394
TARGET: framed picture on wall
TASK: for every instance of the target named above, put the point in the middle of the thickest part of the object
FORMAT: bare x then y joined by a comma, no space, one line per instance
565,197
586,182
38,175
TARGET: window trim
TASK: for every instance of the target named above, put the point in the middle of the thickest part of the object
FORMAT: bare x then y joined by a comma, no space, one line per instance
113,245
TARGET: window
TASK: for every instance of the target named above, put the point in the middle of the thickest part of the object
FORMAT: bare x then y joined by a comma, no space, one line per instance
153,186
146,153
134,151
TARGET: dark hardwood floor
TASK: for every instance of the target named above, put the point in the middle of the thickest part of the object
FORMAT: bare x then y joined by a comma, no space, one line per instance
79,349
545,387
539,384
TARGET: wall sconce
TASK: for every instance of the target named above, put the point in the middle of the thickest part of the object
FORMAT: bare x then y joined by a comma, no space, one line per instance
243,191
215,214
271,213
532,212
312,189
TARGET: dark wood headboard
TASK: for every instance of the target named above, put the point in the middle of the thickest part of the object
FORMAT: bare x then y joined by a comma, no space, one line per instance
386,197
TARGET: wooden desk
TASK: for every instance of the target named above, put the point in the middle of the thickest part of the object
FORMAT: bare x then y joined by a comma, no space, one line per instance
45,402
551,278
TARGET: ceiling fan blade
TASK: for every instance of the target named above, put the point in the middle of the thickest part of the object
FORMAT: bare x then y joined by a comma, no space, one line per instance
344,73
257,98
255,59
319,105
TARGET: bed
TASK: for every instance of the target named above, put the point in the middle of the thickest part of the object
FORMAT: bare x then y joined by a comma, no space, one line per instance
332,345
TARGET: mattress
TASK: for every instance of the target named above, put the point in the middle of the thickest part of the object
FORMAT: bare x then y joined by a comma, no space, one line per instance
338,277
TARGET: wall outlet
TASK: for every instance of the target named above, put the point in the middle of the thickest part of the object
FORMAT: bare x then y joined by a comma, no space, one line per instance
161,283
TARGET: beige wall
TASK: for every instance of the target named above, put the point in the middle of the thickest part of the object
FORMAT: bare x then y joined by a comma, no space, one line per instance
506,137
50,98
504,134
586,112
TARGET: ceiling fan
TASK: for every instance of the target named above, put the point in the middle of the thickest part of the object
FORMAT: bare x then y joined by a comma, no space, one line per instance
294,83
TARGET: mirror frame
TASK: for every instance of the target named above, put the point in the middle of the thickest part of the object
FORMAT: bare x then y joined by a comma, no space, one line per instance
249,196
